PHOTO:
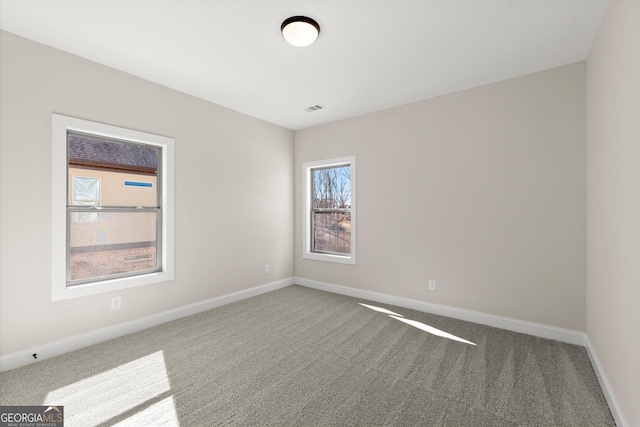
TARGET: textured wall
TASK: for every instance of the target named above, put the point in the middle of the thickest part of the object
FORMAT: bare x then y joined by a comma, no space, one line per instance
233,192
482,190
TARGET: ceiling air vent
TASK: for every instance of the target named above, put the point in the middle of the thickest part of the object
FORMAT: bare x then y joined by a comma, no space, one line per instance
314,108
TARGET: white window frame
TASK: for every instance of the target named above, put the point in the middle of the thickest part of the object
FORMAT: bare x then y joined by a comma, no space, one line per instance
307,167
60,125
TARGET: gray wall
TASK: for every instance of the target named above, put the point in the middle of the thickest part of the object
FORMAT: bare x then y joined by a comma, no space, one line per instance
233,192
482,190
613,202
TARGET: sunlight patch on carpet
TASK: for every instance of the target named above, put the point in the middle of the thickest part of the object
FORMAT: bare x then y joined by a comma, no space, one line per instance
380,309
101,397
416,324
431,330
160,414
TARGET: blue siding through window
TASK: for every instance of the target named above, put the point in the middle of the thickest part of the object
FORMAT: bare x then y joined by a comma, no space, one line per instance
138,184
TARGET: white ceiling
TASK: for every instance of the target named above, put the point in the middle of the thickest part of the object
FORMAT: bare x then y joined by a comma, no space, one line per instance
371,54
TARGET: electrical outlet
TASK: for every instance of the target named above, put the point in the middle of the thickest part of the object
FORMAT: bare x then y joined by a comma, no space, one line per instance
266,269
432,285
116,303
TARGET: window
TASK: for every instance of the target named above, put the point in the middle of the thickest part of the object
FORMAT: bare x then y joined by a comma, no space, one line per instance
85,192
112,208
329,223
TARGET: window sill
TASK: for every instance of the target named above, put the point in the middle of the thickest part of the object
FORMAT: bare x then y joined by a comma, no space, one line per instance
341,259
60,293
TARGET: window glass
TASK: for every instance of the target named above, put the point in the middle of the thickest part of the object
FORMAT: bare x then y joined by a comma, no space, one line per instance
85,192
122,243
113,209
329,207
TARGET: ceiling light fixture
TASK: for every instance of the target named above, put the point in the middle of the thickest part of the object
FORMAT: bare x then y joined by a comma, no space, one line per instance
300,31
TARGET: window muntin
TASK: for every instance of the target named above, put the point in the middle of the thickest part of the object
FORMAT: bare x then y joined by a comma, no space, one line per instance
109,222
329,209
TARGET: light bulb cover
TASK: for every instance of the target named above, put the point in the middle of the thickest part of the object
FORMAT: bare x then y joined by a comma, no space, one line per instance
300,31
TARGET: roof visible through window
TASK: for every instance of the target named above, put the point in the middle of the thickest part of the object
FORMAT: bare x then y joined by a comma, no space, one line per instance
94,151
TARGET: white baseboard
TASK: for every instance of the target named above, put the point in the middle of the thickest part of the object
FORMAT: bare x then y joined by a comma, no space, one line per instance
45,351
530,328
607,390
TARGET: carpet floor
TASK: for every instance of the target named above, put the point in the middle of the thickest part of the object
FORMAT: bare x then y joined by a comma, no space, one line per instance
303,357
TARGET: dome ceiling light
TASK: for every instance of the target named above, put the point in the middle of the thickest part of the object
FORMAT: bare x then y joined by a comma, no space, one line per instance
300,31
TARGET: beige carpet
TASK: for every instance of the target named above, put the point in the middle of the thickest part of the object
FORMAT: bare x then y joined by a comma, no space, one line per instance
302,357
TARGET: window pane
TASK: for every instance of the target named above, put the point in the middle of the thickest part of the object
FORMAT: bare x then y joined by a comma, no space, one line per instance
331,188
86,191
120,242
125,172
332,232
